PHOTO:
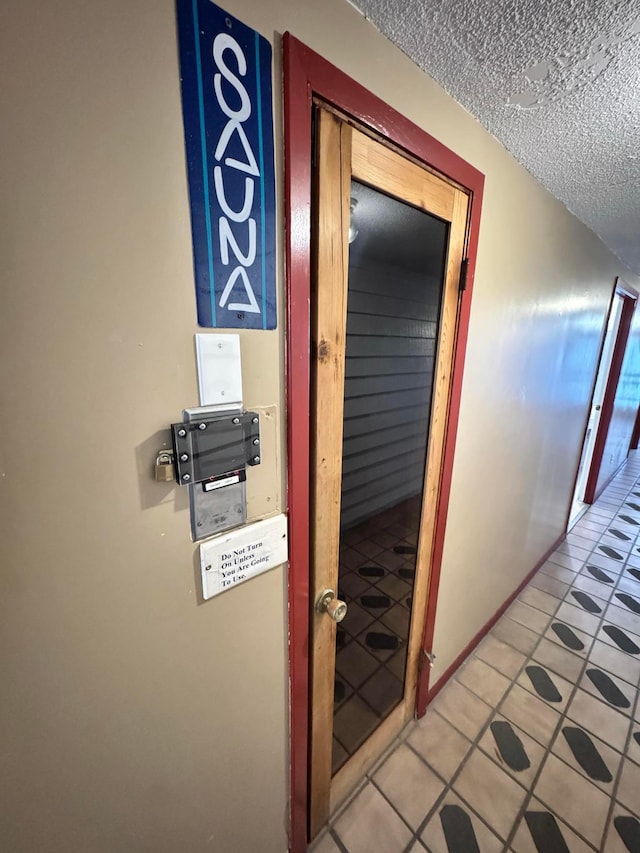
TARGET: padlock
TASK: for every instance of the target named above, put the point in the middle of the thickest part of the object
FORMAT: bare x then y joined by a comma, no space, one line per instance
164,469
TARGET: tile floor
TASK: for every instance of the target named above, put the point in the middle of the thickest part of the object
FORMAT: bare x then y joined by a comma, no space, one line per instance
534,745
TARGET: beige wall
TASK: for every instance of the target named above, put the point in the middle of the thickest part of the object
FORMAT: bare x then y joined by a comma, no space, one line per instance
137,717
134,716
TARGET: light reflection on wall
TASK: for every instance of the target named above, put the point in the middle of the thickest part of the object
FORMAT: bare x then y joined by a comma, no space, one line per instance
560,362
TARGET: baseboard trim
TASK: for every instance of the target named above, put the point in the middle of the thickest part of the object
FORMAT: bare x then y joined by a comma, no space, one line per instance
464,654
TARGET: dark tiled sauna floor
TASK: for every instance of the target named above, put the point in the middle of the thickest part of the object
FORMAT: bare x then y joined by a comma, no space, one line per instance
377,567
534,745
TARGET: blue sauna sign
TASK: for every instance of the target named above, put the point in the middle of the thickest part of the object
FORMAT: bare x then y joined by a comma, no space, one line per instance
228,123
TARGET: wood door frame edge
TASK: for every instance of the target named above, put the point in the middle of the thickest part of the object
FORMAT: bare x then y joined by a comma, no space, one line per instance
307,74
630,297
603,339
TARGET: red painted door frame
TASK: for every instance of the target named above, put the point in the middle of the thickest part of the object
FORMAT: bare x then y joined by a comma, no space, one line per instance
630,296
635,436
308,75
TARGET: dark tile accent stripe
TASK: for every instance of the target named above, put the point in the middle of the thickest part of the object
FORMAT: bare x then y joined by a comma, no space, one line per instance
628,828
543,684
409,574
608,688
586,754
635,573
621,640
378,640
510,746
633,506
610,552
636,737
629,601
371,571
458,830
566,635
629,519
405,549
545,832
599,575
585,601
619,534
375,601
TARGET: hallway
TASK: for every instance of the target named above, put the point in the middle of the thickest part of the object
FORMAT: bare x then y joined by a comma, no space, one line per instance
534,745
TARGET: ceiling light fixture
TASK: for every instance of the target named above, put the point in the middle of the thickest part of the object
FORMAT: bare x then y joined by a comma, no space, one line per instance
353,228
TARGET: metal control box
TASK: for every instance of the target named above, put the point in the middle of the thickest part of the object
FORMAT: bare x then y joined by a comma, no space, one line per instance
212,449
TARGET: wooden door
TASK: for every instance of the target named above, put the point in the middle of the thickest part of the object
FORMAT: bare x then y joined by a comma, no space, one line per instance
383,338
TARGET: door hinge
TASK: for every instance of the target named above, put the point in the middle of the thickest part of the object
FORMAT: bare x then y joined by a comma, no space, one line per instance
464,268
426,658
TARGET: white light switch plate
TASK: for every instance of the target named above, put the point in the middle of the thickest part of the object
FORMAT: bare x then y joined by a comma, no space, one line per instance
219,370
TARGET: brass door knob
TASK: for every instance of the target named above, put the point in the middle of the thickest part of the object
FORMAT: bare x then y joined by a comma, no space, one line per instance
328,603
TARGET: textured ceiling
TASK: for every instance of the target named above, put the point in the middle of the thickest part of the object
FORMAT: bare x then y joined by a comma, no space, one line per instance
556,81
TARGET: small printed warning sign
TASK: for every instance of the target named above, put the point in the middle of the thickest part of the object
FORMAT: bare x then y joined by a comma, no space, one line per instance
232,558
